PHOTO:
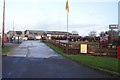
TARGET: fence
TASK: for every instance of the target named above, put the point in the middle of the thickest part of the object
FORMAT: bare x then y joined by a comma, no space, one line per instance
92,48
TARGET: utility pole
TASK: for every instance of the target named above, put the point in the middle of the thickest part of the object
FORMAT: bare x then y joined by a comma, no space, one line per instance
3,24
13,34
13,28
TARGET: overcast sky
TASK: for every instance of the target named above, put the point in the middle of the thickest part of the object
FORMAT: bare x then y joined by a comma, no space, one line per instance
84,15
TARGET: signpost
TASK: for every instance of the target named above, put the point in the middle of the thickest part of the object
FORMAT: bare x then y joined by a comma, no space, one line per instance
112,26
118,47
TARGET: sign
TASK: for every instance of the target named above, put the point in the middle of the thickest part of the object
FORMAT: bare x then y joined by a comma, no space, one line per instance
113,26
83,48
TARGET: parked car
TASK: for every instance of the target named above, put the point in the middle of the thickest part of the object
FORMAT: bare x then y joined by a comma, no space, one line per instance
25,38
38,37
17,39
31,38
43,38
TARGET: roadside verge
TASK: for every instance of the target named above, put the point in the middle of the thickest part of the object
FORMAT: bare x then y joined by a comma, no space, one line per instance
105,64
8,48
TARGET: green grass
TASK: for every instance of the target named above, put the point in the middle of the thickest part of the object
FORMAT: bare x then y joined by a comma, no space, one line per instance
83,42
6,49
100,62
106,63
0,50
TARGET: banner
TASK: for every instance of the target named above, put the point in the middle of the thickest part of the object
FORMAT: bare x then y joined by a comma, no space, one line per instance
67,6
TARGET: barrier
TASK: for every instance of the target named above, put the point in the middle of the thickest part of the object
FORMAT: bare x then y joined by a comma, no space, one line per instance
92,48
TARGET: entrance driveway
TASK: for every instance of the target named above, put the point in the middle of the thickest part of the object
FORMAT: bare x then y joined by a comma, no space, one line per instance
34,49
33,59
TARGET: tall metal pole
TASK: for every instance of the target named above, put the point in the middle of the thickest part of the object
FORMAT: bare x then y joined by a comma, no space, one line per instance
13,29
119,23
3,24
112,36
67,25
13,34
67,8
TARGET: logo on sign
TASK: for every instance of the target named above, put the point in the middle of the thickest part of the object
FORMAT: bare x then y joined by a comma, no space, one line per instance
113,26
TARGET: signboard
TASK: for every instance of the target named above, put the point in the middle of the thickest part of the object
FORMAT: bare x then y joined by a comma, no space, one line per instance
113,26
83,48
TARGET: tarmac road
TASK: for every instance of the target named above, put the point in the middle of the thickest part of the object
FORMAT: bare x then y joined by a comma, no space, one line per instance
33,59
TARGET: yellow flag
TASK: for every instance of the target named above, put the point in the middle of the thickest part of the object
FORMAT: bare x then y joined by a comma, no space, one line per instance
67,6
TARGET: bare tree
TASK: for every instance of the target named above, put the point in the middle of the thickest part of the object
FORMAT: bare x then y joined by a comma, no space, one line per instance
92,33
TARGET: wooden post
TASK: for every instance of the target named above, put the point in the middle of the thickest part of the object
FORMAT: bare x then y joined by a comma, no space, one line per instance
3,24
118,52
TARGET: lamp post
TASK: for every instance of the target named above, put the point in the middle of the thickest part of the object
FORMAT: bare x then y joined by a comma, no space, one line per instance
3,24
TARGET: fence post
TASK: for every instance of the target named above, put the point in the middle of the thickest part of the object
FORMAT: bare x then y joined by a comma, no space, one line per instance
118,52
79,48
67,46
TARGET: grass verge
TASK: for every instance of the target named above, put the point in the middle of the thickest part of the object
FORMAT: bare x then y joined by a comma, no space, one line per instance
103,63
5,49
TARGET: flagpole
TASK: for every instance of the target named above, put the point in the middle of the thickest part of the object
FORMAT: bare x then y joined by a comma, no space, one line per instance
3,24
67,8
67,24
